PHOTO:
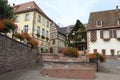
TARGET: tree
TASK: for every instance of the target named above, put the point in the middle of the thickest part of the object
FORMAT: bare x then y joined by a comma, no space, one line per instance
78,33
6,11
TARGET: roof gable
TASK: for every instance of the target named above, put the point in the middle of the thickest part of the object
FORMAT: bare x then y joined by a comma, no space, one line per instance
29,6
109,18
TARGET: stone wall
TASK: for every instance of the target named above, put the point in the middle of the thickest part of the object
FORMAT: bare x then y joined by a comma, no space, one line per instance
15,55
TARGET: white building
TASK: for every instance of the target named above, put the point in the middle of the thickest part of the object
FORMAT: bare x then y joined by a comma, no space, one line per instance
103,32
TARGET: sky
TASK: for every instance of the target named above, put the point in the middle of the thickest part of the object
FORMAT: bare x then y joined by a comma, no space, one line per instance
66,12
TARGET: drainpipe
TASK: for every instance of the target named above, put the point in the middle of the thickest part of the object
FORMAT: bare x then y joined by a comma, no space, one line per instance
34,19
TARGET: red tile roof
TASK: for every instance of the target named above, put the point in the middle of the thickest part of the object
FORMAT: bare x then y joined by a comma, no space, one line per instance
108,17
29,6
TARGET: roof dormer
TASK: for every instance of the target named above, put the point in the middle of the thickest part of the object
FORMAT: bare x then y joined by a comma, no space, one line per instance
99,23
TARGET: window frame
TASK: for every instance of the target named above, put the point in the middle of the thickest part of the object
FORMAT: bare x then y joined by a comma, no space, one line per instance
26,28
99,23
27,17
16,18
39,18
106,36
118,33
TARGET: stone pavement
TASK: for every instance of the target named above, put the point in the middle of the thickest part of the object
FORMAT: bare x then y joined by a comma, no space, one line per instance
34,74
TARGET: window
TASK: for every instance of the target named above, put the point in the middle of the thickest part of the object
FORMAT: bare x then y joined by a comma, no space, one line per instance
38,30
43,32
93,35
95,50
112,51
47,23
27,17
118,33
103,51
16,18
99,23
106,34
25,29
118,21
39,18
46,33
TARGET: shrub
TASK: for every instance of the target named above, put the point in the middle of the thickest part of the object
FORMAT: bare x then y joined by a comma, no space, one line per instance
94,57
9,25
71,52
38,35
33,43
43,37
101,57
19,36
1,25
26,36
47,38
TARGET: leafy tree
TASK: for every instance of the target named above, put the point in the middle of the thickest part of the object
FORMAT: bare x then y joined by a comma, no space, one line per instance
78,33
6,11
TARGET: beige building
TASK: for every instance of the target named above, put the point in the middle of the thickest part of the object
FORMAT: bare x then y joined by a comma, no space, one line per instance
31,19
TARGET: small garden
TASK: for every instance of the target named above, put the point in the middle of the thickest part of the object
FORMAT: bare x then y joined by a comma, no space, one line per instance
8,26
93,57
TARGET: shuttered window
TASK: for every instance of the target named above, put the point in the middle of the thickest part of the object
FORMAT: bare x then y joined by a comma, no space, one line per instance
106,34
118,33
101,34
95,50
93,34
114,32
103,51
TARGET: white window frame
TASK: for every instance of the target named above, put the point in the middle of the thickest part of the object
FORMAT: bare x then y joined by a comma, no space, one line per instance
43,31
99,23
118,33
16,18
106,34
118,21
26,28
27,17
46,33
39,18
38,30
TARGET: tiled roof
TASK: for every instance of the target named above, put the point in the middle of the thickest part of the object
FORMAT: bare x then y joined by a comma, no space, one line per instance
63,30
69,28
29,6
108,18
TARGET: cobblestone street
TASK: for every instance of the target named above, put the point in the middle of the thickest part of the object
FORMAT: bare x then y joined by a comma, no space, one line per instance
111,71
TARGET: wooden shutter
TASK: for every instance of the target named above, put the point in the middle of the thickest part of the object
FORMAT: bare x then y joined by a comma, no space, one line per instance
93,34
101,34
103,51
110,31
114,32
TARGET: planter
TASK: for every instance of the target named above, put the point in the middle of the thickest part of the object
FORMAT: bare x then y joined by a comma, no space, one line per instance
93,39
106,39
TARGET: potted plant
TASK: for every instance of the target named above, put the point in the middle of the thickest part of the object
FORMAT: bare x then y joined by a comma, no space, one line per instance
43,37
106,39
93,39
47,38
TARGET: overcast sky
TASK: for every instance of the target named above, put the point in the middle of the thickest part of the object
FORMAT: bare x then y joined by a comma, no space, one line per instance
66,12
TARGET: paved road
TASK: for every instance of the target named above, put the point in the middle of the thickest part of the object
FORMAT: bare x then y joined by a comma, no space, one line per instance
34,73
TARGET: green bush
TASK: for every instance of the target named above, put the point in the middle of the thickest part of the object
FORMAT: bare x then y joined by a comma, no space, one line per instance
101,57
71,52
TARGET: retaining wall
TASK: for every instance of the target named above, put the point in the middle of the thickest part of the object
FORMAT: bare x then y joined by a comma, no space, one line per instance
15,55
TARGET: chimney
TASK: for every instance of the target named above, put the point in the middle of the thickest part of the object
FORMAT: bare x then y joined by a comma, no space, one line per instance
13,4
117,7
